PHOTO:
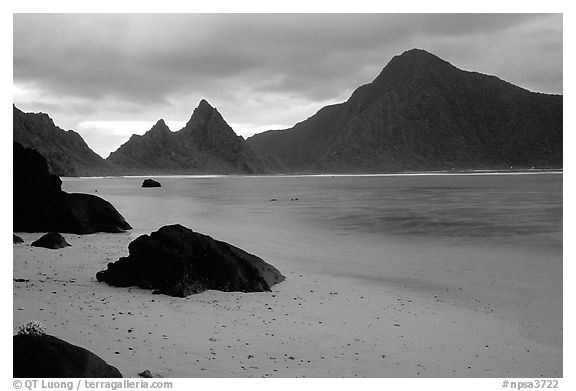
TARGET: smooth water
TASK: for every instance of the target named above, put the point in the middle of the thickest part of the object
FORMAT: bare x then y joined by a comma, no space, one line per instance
475,241
498,234
484,207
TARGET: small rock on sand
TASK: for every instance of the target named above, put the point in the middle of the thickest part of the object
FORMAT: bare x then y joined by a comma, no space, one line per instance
52,240
145,374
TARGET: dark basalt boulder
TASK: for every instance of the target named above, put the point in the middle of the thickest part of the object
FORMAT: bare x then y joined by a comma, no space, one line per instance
151,183
17,239
51,240
87,213
177,261
45,356
40,205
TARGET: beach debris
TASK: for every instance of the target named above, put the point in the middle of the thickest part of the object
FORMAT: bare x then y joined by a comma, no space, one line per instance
145,374
52,240
45,356
177,261
151,183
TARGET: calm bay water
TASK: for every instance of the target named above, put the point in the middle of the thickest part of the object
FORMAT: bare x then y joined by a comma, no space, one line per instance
497,234
489,239
490,207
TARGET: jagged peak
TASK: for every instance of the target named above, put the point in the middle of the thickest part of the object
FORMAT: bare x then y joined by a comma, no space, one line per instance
39,115
160,126
203,109
202,113
204,105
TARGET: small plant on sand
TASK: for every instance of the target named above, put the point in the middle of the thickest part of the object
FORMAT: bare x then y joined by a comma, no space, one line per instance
32,327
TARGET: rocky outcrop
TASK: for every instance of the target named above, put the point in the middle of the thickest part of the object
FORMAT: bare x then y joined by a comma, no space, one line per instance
206,145
52,240
177,261
45,356
422,113
151,183
40,205
65,151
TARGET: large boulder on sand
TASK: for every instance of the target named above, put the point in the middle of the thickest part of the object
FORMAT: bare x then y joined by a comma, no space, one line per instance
52,240
45,356
151,183
179,262
40,205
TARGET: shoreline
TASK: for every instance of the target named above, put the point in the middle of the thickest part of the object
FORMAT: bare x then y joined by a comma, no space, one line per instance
462,280
544,171
311,325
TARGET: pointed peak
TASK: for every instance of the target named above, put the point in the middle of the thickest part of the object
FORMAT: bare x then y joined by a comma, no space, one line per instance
204,105
203,109
160,127
160,122
203,112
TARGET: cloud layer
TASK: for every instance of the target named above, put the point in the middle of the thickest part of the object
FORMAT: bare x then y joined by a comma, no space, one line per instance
91,71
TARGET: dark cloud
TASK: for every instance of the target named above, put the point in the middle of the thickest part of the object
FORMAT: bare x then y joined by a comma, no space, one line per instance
257,68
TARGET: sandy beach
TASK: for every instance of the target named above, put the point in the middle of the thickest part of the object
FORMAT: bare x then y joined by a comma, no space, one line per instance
328,195
311,325
385,277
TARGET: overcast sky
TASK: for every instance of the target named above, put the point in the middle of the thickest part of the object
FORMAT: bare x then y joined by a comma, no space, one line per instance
109,76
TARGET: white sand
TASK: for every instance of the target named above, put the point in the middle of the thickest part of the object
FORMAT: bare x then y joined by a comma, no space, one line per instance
314,324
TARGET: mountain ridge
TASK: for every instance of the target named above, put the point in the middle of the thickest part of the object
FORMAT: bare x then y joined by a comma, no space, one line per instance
66,151
419,113
206,144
